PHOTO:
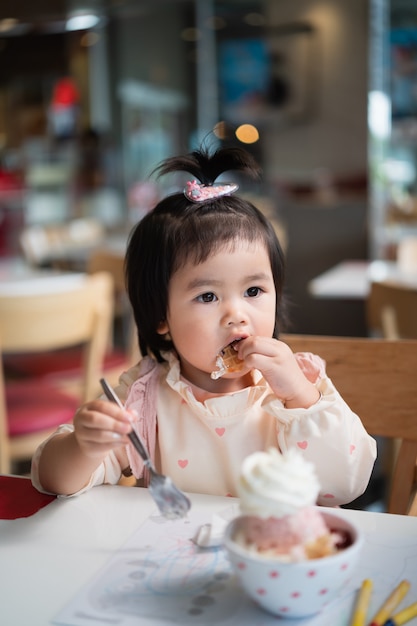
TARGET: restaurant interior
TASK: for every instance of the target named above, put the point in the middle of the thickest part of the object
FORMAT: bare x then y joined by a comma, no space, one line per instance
323,93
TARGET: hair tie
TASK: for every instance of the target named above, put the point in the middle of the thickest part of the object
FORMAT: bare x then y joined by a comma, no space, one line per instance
197,192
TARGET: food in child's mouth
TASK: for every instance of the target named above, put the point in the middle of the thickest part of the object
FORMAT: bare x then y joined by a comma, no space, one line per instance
227,361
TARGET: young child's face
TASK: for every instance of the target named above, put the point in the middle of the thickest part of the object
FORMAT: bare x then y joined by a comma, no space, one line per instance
229,296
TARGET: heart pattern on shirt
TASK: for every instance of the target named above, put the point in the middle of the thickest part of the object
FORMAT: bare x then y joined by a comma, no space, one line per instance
302,444
183,463
352,448
220,431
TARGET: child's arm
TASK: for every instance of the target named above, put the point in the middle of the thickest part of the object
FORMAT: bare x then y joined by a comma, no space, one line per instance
68,460
314,418
331,436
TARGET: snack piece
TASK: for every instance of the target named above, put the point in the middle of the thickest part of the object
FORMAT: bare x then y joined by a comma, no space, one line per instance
227,361
277,497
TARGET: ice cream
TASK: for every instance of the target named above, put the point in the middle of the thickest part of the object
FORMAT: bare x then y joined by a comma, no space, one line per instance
277,495
227,361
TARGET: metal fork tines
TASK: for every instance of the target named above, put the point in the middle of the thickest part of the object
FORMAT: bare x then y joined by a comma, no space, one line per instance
171,502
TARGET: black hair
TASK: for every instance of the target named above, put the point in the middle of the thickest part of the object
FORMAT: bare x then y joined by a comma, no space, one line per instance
178,230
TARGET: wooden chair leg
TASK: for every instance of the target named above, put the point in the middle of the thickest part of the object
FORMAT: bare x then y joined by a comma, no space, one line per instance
413,507
403,478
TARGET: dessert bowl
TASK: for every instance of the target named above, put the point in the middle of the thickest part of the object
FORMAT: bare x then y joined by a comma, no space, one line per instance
299,588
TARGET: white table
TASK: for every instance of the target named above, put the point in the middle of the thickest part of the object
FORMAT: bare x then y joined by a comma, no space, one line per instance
49,559
18,278
351,279
76,256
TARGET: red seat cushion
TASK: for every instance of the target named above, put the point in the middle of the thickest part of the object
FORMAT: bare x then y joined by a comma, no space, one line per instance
63,363
36,405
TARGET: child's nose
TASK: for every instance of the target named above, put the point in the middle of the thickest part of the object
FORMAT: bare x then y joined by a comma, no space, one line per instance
234,315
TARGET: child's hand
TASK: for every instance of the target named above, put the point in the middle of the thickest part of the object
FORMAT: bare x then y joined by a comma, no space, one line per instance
280,369
101,426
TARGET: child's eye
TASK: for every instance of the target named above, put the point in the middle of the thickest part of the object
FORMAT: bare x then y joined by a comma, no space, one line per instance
252,292
207,297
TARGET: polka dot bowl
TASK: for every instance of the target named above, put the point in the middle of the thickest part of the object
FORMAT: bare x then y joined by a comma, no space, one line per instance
298,589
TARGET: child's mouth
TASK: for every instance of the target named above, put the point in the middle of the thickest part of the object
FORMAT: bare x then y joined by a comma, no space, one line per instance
230,346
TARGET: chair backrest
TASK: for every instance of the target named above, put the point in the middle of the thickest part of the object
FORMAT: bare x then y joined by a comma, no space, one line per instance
391,310
107,260
103,260
377,378
407,254
79,315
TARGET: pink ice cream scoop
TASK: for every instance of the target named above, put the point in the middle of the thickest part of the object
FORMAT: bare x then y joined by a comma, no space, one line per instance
277,495
303,535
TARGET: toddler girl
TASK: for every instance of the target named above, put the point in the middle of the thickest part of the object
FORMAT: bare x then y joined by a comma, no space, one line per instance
204,274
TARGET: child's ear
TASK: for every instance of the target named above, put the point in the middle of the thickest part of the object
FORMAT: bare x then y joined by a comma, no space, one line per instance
162,328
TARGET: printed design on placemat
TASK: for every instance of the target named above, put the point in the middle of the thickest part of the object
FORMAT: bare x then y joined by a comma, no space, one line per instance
161,577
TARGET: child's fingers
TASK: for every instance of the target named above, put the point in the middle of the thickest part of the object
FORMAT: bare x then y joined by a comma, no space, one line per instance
112,409
103,417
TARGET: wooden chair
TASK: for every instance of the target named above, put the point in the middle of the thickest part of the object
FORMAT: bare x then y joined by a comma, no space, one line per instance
107,260
377,378
391,311
119,356
32,407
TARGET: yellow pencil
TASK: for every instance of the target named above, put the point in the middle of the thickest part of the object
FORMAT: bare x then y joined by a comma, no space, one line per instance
403,616
390,604
362,603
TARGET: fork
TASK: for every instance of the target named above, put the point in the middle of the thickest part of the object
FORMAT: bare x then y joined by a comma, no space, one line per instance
172,503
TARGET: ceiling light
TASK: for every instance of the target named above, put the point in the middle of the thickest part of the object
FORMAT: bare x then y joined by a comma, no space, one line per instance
82,20
247,133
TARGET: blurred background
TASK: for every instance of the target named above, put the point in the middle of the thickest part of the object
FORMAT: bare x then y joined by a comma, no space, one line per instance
94,93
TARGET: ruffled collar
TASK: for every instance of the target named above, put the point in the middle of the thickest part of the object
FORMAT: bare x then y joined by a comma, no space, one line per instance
216,405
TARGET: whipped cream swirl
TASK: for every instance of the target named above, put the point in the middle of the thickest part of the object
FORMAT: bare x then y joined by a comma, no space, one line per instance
272,484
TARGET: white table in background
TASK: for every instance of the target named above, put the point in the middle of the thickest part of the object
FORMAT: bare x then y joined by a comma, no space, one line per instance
351,279
48,559
19,278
